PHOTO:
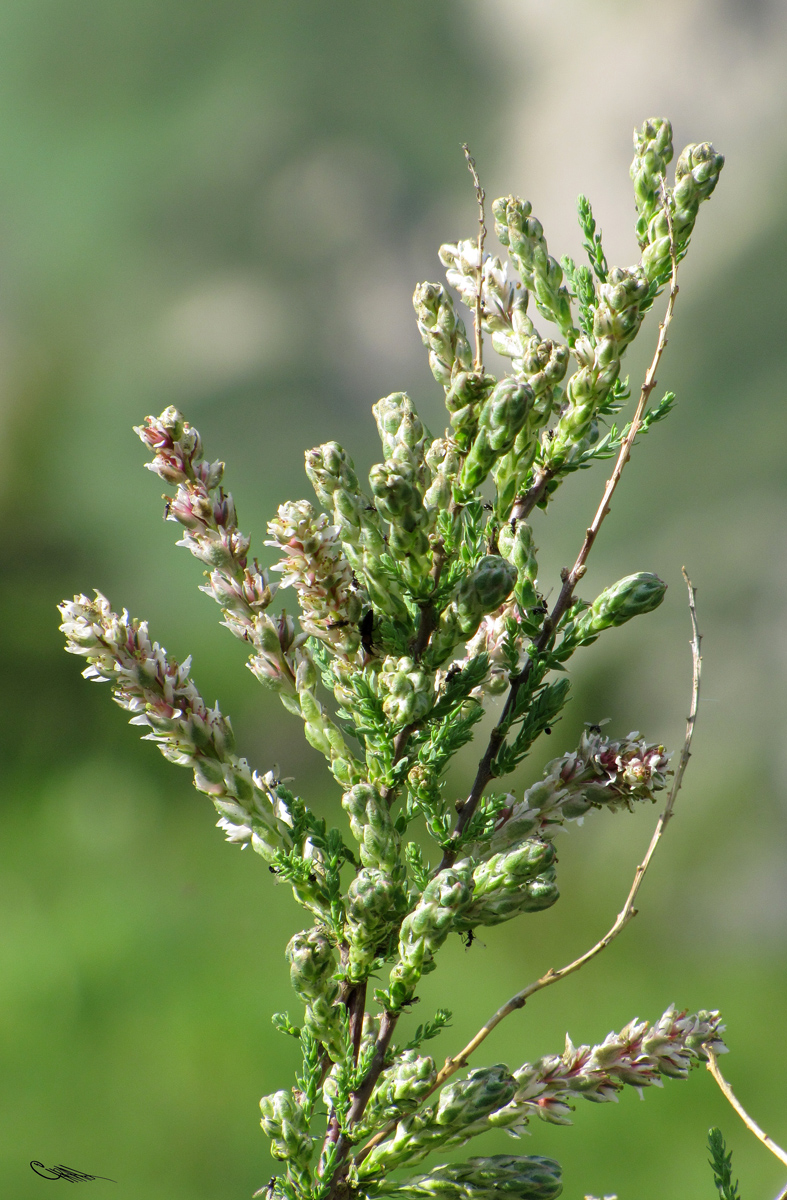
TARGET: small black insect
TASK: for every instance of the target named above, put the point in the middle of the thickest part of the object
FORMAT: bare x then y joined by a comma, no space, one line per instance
595,726
366,630
547,729
269,1190
337,624
453,671
468,938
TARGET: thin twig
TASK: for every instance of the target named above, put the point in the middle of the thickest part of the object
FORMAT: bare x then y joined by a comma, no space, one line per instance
625,915
570,578
480,196
782,1194
749,1122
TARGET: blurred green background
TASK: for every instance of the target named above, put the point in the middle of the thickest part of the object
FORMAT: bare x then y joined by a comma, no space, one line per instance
226,207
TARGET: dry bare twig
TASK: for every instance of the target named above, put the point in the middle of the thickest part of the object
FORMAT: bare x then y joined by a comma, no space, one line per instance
749,1122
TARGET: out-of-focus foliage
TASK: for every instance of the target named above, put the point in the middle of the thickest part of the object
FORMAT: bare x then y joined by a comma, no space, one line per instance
174,175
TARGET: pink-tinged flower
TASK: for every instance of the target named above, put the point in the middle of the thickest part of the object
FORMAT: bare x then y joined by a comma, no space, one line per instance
160,695
600,773
640,1056
314,564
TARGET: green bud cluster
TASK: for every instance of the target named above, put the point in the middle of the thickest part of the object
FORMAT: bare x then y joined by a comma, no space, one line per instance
513,882
484,589
516,545
335,483
313,965
523,236
284,1122
444,462
400,1090
620,306
696,175
451,360
401,432
398,484
397,494
442,333
372,827
501,1175
652,153
543,365
461,1107
408,691
502,416
627,598
376,903
425,929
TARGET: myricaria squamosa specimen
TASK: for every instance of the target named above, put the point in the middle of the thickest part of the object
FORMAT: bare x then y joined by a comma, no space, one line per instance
418,599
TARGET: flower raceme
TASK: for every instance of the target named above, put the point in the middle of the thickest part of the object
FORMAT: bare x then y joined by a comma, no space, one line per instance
413,603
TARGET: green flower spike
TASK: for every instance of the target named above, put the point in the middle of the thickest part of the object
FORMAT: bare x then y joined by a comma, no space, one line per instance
506,1176
627,598
426,928
400,1090
335,483
372,827
521,880
284,1122
523,235
462,1109
500,420
482,591
312,966
652,153
376,904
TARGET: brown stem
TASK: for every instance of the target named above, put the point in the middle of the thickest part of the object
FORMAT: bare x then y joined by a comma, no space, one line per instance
357,1007
524,505
570,578
361,1098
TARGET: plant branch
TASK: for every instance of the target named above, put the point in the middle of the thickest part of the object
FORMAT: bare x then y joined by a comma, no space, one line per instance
362,1096
749,1122
524,504
570,578
357,1007
480,197
625,915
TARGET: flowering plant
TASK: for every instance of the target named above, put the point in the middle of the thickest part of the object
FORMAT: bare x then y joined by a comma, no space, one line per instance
420,602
